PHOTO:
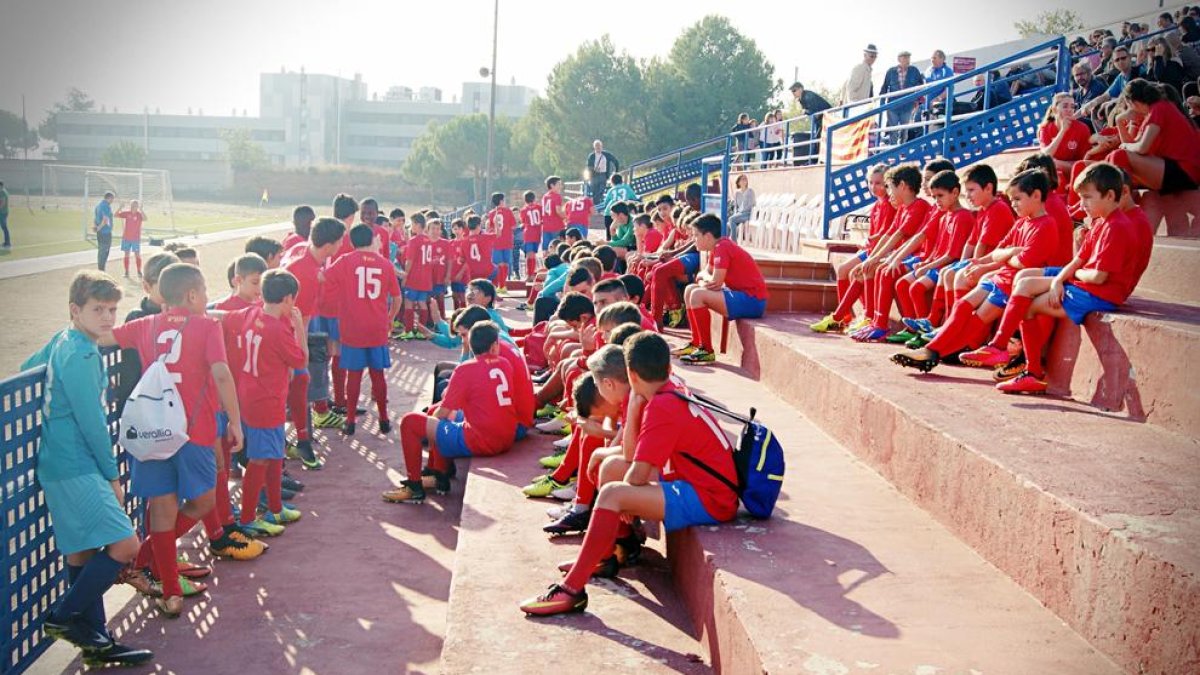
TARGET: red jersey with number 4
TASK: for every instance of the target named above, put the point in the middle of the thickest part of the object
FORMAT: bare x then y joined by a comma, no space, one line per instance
264,352
671,427
579,211
531,218
482,388
502,224
192,345
443,257
1111,245
552,223
1039,236
362,282
418,263
741,272
992,224
299,261
478,248
523,396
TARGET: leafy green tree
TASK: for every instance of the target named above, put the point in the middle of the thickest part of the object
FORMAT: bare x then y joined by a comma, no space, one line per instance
76,101
243,152
124,154
1053,22
15,136
712,73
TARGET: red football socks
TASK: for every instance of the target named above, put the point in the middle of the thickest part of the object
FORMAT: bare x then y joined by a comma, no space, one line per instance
502,274
1035,334
353,389
904,286
693,326
252,485
412,433
585,488
952,334
530,265
843,285
1014,314
868,298
275,485
407,314
938,311
846,299
297,401
570,463
703,318
597,545
339,381
379,391
918,297
167,566
885,293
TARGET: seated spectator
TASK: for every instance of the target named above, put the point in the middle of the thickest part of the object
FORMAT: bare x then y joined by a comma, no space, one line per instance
1107,69
1063,137
1085,84
1125,71
742,205
1166,155
1190,32
1165,66
997,92
1188,56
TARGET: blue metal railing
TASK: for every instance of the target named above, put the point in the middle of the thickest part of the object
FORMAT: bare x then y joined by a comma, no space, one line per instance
33,578
672,169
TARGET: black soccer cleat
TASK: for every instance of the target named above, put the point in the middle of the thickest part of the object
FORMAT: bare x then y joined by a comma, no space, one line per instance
571,522
117,654
385,426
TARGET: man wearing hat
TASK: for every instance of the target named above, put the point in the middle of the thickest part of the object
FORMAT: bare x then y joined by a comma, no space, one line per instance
903,76
812,103
859,87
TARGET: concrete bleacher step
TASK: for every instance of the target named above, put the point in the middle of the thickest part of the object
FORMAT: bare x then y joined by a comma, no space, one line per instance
1174,271
635,624
800,295
1094,515
851,577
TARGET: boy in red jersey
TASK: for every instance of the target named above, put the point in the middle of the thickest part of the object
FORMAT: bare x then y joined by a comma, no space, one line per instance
502,223
273,344
193,350
579,211
1032,282
481,389
1056,208
345,209
850,290
369,297
1032,241
904,185
1100,278
131,234
531,219
418,279
553,216
398,235
443,258
478,247
655,481
458,273
955,229
248,270
648,240
368,214
302,220
266,248
732,286
305,262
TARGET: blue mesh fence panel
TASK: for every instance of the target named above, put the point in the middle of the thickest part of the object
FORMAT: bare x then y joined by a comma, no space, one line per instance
34,577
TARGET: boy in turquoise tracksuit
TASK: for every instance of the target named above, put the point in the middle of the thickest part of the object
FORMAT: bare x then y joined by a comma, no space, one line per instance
77,471
618,193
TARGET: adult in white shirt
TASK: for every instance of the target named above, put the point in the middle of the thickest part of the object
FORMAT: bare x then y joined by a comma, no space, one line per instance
859,86
600,165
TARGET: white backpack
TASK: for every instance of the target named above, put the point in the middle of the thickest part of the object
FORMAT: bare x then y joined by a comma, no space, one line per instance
153,423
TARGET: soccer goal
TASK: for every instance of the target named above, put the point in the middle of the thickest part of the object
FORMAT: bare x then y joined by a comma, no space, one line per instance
66,186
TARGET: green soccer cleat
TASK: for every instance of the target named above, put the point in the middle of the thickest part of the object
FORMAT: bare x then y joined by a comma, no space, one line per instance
552,461
285,516
549,410
901,337
261,528
699,356
328,420
674,318
827,325
542,488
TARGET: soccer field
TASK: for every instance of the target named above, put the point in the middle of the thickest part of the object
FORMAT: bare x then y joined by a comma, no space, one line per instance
50,231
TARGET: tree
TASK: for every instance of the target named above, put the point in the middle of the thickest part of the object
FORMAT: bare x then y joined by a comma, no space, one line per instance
243,153
458,148
76,101
1056,22
125,154
712,73
15,136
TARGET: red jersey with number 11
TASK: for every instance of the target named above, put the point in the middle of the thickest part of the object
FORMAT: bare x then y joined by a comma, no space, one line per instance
263,351
482,389
360,284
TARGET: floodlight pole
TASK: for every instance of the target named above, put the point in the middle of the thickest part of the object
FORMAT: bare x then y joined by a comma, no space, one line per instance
487,179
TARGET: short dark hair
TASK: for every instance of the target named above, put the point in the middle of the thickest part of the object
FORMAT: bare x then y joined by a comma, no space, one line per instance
418,218
621,334
983,176
1139,90
643,220
181,250
617,179
708,223
265,247
620,208
497,198
905,173
551,181
344,206
634,286
1030,180
607,257
619,313
1102,176
945,180
574,306
327,231
368,200
938,165
473,222
553,260
1044,163
592,265
610,286
381,219
177,280
278,284
486,287
155,264
585,394
249,263
483,336
92,285
302,219
648,355
469,316
530,196
362,235
395,213
574,232
109,194
693,190
665,199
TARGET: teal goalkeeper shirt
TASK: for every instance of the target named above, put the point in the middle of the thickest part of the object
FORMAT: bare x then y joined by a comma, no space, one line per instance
75,439
556,279
617,193
623,237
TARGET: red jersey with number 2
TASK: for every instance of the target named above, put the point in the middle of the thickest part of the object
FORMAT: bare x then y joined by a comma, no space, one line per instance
482,389
362,282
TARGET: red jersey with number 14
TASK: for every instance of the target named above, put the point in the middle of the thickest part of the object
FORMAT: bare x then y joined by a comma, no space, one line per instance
264,352
482,389
362,282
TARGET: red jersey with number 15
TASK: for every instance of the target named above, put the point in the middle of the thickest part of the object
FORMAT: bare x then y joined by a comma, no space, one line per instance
264,353
362,282
531,218
502,223
482,388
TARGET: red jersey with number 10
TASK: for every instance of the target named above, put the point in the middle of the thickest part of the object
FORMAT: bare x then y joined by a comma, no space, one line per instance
502,223
361,283
482,389
531,218
263,351
418,264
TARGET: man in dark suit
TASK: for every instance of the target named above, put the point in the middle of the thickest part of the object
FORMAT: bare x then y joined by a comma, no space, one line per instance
812,103
600,165
903,76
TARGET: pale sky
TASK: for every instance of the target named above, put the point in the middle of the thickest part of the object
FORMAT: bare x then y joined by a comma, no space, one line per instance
207,55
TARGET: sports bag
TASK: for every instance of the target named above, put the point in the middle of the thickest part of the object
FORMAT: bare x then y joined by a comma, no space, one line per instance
758,459
153,423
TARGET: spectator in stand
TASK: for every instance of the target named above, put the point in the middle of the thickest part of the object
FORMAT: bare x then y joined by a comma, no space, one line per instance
1063,137
1084,53
1189,57
997,92
1190,32
1086,86
1165,21
601,164
741,139
1193,109
859,86
938,70
1107,69
903,76
1125,71
742,205
772,138
1166,155
812,103
1165,66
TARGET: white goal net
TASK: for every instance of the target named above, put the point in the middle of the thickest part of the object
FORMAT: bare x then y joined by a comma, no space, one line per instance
66,186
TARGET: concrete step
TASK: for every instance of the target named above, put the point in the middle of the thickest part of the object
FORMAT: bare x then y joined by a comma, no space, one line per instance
1095,516
634,624
1139,361
851,577
799,295
784,268
1174,271
1176,215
